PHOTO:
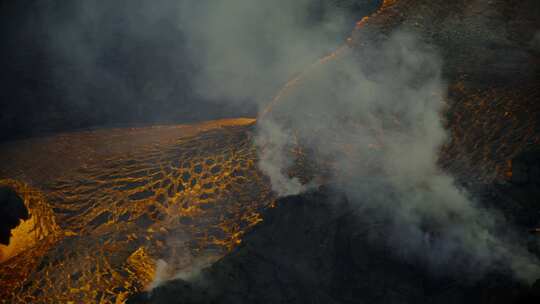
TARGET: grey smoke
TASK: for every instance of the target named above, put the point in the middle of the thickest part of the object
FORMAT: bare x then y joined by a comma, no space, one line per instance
373,114
248,49
120,62
171,60
273,141
376,114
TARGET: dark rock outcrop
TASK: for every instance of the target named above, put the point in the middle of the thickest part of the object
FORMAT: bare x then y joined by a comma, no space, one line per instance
315,248
12,211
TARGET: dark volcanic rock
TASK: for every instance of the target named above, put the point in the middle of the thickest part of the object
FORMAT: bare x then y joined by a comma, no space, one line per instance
12,210
315,248
526,168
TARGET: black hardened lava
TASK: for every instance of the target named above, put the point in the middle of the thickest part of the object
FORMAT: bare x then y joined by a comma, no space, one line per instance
318,248
12,211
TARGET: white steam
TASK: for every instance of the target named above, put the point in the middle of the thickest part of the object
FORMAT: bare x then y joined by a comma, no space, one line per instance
273,141
374,114
246,49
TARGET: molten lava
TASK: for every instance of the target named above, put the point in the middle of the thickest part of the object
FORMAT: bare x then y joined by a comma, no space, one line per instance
124,199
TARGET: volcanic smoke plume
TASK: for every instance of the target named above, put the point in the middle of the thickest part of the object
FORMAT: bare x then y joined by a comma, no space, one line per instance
376,117
372,115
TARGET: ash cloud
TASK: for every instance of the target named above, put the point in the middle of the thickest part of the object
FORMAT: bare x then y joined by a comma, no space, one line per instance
374,114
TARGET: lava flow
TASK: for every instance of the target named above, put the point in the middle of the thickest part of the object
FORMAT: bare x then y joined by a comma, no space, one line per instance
125,199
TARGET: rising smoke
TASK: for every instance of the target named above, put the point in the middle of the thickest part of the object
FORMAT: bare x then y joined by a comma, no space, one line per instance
377,116
81,64
247,49
373,114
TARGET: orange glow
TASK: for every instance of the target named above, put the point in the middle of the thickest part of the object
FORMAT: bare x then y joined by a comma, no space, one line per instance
121,198
294,81
41,224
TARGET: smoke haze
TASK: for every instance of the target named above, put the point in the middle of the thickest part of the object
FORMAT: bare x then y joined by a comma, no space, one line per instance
248,48
376,115
373,114
70,65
